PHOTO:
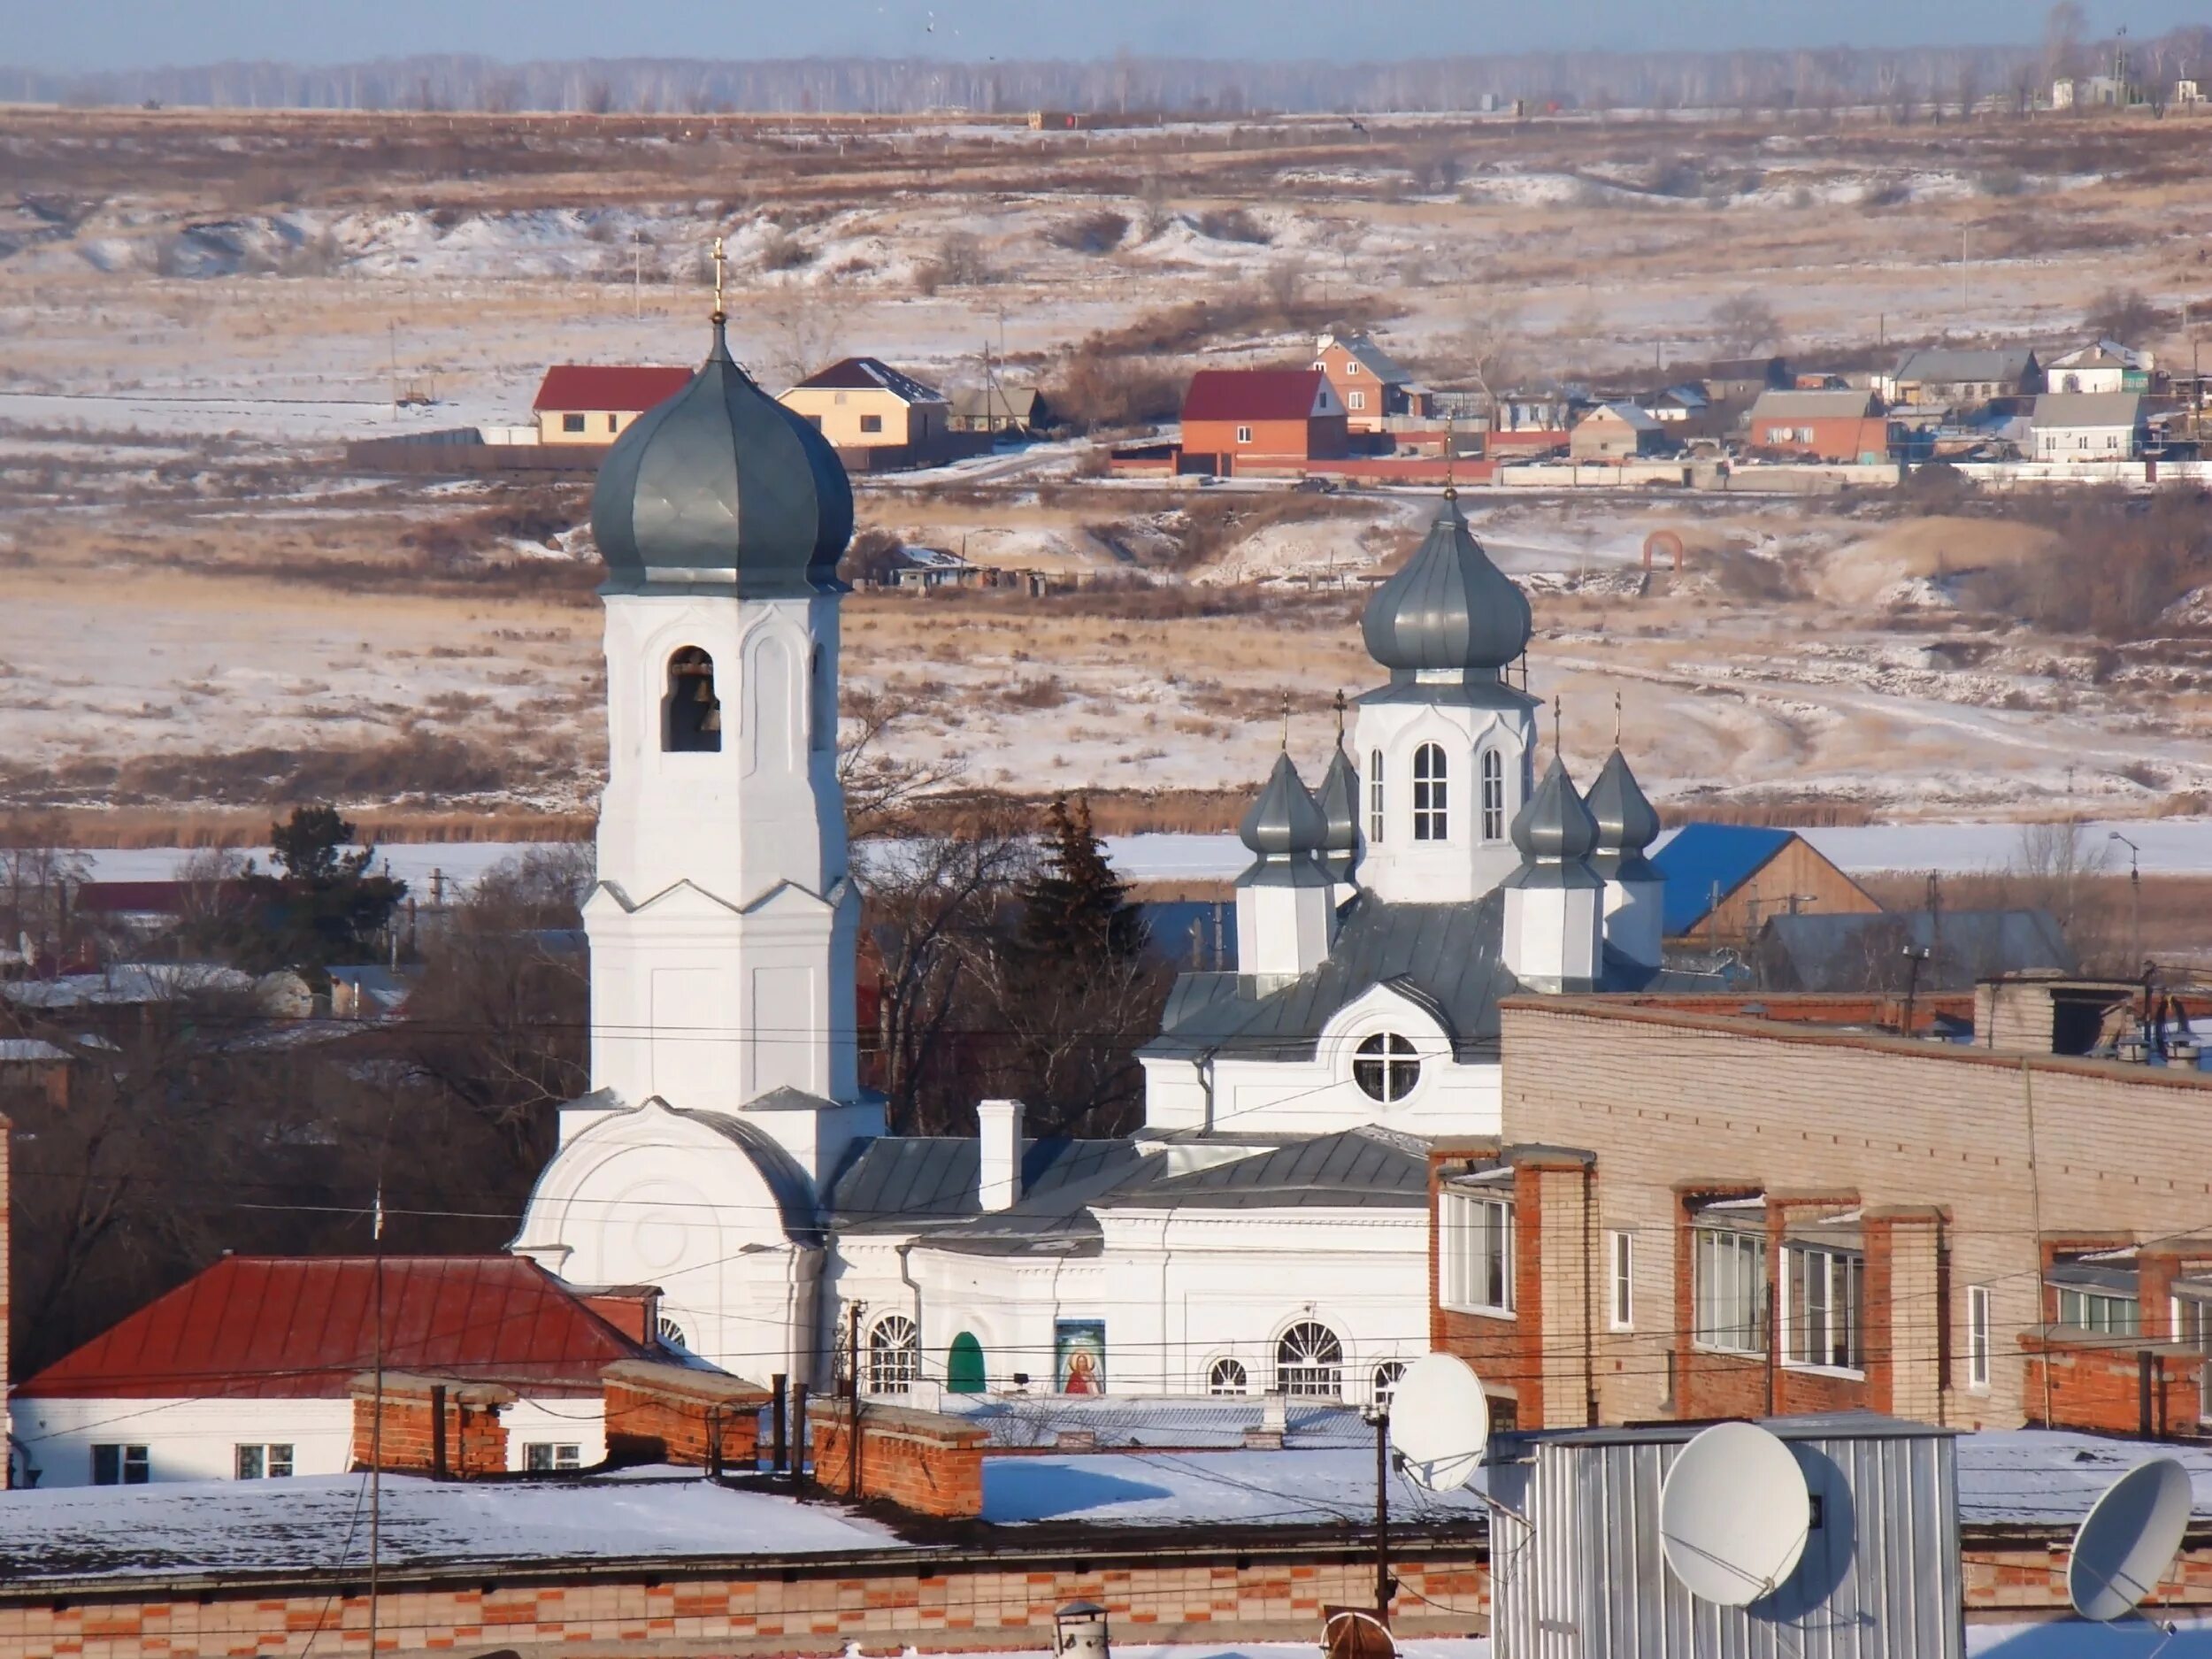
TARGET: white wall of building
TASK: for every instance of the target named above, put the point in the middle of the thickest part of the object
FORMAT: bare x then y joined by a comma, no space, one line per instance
1467,863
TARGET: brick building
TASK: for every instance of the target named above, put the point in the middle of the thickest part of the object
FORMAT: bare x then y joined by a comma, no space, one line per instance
1826,425
1372,384
1240,419
1703,1208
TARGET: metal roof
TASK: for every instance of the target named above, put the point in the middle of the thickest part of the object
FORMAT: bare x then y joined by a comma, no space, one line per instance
1284,821
874,374
1447,608
1627,822
1371,356
1944,366
303,1327
2089,408
721,490
1002,402
901,1182
1699,857
1357,1169
1847,405
1822,952
618,388
1444,955
787,1181
1628,414
1258,395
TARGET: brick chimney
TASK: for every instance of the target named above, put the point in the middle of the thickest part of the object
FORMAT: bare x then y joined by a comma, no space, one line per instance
999,1131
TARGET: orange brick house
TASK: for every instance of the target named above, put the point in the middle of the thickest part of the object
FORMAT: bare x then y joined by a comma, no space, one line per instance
1844,427
1265,419
1370,384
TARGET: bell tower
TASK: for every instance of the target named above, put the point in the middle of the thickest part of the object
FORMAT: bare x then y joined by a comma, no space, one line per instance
724,921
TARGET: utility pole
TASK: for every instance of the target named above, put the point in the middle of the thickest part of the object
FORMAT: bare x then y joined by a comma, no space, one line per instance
2135,896
637,274
852,1400
376,1420
1378,1414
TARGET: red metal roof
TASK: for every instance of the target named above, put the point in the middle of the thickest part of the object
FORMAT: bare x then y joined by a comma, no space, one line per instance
303,1327
160,898
618,388
1252,393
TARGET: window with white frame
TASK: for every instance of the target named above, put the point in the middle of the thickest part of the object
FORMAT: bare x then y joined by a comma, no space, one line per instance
1824,1294
1432,818
1358,400
1310,1362
2107,1314
1729,1274
894,1355
271,1461
1375,795
1978,1336
1621,1258
1493,796
1244,435
1227,1377
1475,1240
545,1457
1385,1381
1387,1066
116,1465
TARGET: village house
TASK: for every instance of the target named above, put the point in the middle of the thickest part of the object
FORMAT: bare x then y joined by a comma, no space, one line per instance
2106,366
2080,426
1616,432
1725,881
595,404
1826,425
1705,1207
870,411
1367,382
1961,380
1265,419
1740,379
998,408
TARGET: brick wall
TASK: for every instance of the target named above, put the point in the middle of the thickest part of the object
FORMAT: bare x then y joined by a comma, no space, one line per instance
669,1414
1663,1097
2096,1383
475,1438
921,1461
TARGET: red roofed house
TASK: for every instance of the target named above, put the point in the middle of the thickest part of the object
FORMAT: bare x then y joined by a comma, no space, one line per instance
245,1372
1242,419
590,403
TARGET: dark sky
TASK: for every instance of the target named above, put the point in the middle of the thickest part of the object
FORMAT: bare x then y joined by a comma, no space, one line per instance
82,34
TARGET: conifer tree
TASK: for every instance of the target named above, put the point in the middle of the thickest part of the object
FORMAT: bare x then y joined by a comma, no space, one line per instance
1075,908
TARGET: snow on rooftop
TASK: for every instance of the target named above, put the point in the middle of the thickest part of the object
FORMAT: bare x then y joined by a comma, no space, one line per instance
1208,1489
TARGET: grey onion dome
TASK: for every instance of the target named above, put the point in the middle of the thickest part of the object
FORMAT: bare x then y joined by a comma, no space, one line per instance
1554,827
1627,820
1339,812
1448,608
722,487
1285,821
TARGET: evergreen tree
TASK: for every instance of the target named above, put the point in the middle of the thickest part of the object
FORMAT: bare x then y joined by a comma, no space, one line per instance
323,909
1076,909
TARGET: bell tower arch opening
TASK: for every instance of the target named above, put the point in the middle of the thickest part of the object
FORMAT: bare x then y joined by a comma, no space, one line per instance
691,714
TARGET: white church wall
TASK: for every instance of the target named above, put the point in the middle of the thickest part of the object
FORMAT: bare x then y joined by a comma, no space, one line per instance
1465,864
1554,936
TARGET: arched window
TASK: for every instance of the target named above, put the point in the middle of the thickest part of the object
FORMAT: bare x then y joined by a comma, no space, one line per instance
1493,796
1310,1362
1227,1377
1374,797
691,714
1386,1067
1385,1379
963,1365
894,1355
670,1333
1432,820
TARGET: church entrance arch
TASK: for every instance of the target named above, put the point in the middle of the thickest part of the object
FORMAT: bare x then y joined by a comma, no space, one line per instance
963,1365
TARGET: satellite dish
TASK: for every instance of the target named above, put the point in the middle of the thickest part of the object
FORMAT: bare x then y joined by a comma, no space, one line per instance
1734,1512
2129,1539
1440,1422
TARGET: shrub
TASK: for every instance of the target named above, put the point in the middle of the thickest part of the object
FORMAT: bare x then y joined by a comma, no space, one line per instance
1235,225
960,260
783,251
1094,233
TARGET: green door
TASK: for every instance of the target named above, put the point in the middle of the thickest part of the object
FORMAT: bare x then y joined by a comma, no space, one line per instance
964,1366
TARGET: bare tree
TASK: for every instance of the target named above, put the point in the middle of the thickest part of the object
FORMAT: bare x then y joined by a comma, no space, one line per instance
2059,867
2065,26
804,330
1744,324
1490,345
881,788
39,878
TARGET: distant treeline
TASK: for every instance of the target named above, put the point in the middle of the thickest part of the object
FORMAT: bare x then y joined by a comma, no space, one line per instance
1814,79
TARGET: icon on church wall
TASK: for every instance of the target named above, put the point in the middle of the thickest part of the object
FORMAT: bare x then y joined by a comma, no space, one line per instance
1078,1355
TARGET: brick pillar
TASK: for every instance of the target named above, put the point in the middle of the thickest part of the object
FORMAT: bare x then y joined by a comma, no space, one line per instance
1904,1304
1556,1284
475,1438
671,1414
921,1461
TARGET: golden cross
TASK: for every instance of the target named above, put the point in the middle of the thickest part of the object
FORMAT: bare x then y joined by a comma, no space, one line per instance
1340,718
718,262
1616,719
1450,493
1555,727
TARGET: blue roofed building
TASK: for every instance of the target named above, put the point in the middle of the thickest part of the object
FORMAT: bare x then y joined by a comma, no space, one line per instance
1725,881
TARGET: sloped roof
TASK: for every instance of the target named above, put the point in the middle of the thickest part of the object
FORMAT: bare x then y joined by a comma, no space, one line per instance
874,374
1943,366
1357,1169
1371,357
302,1327
1628,414
1813,405
622,387
2089,408
1703,857
902,1182
2102,354
1257,395
1837,952
1002,402
787,1182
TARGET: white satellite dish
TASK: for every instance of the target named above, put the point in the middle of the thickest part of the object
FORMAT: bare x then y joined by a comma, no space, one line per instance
1735,1513
1440,1422
2129,1539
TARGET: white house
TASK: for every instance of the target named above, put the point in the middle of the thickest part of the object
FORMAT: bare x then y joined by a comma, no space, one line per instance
2104,365
2077,427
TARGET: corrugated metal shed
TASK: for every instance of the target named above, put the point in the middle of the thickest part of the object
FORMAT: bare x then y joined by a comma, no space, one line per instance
1586,1578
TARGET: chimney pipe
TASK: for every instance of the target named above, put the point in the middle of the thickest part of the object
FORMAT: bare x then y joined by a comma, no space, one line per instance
999,1131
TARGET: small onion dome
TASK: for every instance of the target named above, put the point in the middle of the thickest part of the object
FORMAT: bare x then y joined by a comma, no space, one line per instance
1554,827
1449,608
1340,810
722,487
1627,822
1285,821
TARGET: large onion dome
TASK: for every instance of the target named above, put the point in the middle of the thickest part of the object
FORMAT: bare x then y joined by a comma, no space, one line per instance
1449,609
723,488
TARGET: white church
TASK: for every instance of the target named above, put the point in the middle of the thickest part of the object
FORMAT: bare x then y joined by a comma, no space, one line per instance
1267,1229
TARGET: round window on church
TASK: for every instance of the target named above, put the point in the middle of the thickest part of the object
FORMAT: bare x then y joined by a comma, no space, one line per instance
1385,1066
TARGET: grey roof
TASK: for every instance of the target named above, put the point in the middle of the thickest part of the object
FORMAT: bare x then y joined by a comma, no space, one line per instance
2089,408
1377,362
1444,955
1448,608
1357,1169
1813,406
1340,808
1866,952
998,403
1636,419
1944,366
1553,827
904,1182
787,1182
1283,820
1627,822
722,489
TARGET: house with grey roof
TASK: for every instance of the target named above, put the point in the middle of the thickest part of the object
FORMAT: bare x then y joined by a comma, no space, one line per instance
1958,379
2072,427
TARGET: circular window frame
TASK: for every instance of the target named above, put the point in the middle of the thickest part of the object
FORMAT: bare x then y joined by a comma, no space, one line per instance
1387,1052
